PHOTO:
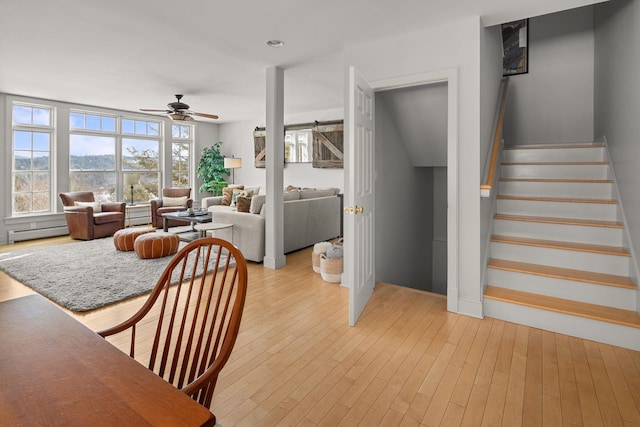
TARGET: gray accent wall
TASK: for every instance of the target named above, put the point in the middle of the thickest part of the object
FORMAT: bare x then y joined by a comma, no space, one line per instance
491,77
617,101
554,101
404,209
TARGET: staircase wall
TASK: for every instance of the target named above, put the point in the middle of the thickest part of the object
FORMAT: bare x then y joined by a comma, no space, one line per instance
617,102
560,78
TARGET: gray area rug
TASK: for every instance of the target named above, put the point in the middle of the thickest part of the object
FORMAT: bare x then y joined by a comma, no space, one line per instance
85,275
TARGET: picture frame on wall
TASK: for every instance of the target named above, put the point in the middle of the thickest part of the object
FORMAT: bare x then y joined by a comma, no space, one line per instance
515,47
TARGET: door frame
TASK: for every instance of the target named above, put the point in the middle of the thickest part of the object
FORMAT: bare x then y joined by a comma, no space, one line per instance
450,76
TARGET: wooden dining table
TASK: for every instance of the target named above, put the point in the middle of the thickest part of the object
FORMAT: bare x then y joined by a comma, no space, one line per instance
54,371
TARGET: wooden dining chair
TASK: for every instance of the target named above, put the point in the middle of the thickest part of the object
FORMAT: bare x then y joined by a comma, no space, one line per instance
190,321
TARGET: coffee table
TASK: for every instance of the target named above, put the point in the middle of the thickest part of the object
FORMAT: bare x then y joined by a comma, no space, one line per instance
189,219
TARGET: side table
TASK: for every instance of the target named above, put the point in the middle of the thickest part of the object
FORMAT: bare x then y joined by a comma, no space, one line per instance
213,226
133,213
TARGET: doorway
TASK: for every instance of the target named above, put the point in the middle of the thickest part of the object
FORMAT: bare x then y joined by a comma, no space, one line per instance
360,94
411,186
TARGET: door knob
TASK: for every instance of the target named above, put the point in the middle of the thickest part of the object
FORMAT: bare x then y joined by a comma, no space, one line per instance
354,210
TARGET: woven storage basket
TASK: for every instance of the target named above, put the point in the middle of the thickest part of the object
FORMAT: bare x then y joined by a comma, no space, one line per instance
318,249
315,262
331,269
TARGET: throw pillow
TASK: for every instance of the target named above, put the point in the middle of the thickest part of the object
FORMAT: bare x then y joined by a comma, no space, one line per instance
227,194
95,205
174,201
238,193
256,203
243,203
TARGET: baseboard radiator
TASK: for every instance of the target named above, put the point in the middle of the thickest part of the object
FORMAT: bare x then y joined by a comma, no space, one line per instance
40,233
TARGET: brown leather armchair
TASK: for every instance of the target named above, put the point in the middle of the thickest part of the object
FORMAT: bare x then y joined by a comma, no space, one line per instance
84,222
157,208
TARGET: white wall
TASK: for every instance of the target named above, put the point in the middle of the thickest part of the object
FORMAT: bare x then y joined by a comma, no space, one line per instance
439,256
617,100
422,52
554,101
404,208
237,140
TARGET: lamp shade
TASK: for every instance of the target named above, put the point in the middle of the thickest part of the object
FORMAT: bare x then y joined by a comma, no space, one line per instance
131,178
232,162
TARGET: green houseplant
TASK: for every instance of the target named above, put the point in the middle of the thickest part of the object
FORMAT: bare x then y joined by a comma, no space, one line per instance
211,170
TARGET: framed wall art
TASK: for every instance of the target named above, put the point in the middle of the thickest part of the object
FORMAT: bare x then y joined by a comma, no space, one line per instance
515,49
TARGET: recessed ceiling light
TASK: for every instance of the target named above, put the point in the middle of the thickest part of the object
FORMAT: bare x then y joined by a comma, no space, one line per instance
275,43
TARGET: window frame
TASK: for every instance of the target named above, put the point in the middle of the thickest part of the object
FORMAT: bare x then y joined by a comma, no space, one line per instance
49,129
190,142
120,136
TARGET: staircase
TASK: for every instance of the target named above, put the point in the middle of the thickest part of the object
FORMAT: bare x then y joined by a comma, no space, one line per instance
558,258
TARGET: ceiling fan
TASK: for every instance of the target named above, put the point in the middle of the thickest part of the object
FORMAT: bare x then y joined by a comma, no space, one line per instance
180,111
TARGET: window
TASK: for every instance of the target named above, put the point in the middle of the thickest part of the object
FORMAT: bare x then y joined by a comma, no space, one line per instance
92,154
100,156
32,136
181,148
297,146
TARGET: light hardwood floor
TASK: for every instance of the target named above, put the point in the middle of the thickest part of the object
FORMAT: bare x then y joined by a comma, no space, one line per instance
407,362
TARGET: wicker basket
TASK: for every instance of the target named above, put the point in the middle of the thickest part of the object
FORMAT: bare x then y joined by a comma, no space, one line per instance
315,262
331,269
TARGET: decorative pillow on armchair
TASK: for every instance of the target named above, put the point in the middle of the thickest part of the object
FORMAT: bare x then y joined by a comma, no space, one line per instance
174,201
95,205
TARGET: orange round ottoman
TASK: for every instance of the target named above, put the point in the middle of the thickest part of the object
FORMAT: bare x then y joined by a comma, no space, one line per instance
123,239
156,245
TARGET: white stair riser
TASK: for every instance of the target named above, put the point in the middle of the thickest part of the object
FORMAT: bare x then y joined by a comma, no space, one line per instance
554,155
578,190
609,296
555,171
609,333
599,263
565,232
598,211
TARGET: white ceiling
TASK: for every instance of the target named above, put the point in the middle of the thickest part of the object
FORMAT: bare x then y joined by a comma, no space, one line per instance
137,54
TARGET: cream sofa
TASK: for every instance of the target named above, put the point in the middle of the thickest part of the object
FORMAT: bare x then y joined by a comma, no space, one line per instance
310,216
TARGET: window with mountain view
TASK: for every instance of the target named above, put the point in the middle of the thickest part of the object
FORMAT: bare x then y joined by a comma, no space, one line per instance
32,130
181,147
100,155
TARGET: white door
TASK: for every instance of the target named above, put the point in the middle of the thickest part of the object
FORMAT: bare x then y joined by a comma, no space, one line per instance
359,194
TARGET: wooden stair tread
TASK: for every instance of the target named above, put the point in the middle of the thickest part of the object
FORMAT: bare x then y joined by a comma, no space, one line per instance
558,180
566,221
563,273
557,199
559,305
553,163
552,146
555,244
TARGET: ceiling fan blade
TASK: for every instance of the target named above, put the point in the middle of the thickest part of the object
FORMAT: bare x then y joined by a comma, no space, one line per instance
154,111
209,116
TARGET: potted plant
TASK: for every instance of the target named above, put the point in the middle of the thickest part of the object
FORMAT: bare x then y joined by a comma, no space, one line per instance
211,170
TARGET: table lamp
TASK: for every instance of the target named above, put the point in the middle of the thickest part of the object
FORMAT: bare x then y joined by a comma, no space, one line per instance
131,179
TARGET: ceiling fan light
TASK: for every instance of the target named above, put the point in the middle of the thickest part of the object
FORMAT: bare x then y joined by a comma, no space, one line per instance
275,43
180,117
